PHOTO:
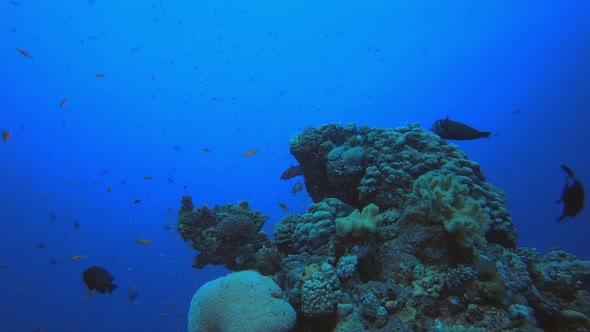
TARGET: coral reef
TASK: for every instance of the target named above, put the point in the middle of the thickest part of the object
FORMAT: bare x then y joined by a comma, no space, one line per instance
404,234
383,166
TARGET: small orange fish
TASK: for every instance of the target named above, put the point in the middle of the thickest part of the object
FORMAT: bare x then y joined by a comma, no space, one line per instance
283,206
147,177
250,153
206,150
100,75
25,53
6,135
145,242
63,102
77,257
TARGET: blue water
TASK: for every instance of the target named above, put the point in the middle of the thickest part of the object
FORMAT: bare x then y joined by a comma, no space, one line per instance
232,76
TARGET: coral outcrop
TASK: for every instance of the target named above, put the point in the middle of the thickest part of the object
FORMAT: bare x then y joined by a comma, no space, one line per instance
404,234
228,235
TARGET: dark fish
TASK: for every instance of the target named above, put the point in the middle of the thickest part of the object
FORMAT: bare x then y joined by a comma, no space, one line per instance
291,172
132,293
572,196
76,224
297,187
98,278
283,206
449,129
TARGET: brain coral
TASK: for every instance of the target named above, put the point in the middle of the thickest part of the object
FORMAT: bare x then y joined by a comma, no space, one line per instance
241,301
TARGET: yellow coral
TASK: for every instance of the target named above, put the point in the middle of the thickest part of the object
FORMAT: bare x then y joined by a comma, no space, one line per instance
308,271
407,314
448,196
359,224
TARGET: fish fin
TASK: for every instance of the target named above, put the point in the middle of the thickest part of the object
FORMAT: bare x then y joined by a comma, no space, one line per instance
112,287
485,134
568,171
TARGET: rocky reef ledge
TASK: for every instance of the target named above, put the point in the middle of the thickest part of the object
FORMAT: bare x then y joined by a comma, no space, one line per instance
404,234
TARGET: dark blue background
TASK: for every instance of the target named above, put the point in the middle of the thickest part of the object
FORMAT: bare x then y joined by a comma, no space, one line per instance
237,76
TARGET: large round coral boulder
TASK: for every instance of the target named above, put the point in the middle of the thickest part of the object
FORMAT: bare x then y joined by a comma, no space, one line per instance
240,301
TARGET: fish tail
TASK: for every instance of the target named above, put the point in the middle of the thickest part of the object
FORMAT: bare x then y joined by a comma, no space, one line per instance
568,171
112,288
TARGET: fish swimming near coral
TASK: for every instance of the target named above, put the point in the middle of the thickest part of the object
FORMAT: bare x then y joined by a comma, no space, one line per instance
77,257
25,53
63,102
250,153
6,135
449,129
291,172
297,187
145,242
572,196
98,278
132,294
283,206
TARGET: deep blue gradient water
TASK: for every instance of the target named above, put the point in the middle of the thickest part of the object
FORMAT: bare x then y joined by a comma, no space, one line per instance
232,76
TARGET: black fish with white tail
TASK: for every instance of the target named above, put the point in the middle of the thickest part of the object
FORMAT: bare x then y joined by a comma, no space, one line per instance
449,129
98,278
572,196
